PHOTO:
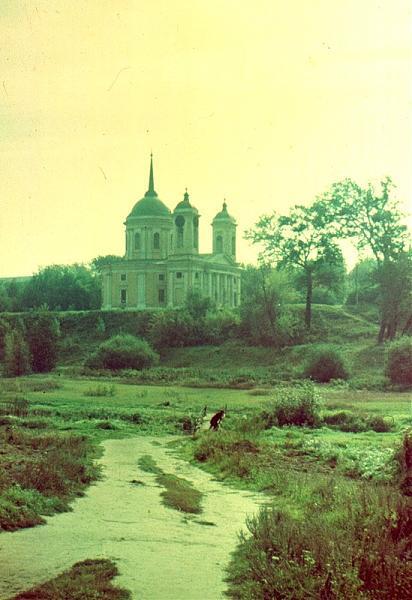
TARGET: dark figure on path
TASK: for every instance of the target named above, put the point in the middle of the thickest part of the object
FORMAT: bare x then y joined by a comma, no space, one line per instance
216,420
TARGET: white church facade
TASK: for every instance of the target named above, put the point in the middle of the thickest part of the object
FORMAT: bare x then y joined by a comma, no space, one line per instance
162,263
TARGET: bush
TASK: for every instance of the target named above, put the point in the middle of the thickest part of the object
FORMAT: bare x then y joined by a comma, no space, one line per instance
356,548
123,352
325,364
42,335
347,421
399,362
16,354
294,406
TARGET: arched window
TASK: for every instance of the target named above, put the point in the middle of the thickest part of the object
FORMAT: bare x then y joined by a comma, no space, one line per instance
180,223
156,241
137,241
219,244
233,245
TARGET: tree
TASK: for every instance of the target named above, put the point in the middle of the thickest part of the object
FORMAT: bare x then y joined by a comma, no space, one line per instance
99,262
16,353
373,219
63,287
362,284
42,335
264,317
300,240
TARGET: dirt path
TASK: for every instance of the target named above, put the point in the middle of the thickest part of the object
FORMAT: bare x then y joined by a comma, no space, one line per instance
161,554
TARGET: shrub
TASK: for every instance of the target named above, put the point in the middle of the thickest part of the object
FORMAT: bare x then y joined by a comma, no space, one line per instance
297,405
123,351
399,362
42,335
347,421
325,364
358,548
404,462
16,354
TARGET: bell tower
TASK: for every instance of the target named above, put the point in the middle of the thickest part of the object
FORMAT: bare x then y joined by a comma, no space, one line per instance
224,233
186,227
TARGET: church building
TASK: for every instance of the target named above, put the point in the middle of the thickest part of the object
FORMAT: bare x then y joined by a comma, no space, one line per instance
162,263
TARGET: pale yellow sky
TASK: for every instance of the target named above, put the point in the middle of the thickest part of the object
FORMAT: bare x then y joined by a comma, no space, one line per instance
265,103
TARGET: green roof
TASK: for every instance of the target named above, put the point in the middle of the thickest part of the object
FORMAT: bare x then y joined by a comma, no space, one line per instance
149,206
224,215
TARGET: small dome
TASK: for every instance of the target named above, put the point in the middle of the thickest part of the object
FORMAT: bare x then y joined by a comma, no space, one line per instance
149,206
185,203
223,215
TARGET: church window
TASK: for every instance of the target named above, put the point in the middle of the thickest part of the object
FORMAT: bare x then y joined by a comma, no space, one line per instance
161,296
161,277
233,245
219,244
235,299
123,277
179,275
180,223
196,275
156,241
123,296
137,241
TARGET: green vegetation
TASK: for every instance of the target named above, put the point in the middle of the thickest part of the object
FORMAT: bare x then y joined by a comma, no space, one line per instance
343,546
324,364
86,580
41,470
399,362
16,354
178,493
123,351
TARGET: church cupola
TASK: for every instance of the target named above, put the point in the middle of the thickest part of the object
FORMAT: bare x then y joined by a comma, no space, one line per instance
149,225
224,233
186,227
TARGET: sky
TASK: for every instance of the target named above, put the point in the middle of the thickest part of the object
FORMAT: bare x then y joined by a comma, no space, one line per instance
265,103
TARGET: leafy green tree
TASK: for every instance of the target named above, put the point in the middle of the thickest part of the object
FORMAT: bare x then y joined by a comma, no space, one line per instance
301,240
101,261
42,336
16,354
197,306
374,221
265,295
362,284
63,287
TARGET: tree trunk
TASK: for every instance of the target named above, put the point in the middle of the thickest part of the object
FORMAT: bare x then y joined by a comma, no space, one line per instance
309,293
382,330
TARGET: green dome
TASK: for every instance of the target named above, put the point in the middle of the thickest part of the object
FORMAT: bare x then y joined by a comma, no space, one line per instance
150,206
223,215
185,203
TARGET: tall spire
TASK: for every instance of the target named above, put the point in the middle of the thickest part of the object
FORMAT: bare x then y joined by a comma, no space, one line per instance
151,190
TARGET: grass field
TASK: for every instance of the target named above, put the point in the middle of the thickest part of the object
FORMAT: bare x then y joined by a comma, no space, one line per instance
55,424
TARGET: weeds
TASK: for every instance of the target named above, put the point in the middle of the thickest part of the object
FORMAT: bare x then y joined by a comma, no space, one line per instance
179,493
101,391
88,580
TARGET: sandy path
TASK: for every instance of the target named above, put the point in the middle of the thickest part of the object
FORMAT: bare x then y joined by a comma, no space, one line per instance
160,553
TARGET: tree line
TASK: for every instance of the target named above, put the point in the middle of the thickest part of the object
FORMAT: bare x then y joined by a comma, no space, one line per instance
300,261
307,239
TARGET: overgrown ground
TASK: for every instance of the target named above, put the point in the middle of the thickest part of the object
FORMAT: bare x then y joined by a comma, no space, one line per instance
50,428
329,482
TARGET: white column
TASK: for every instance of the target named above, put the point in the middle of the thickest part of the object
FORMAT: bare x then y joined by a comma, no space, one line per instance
141,290
170,289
